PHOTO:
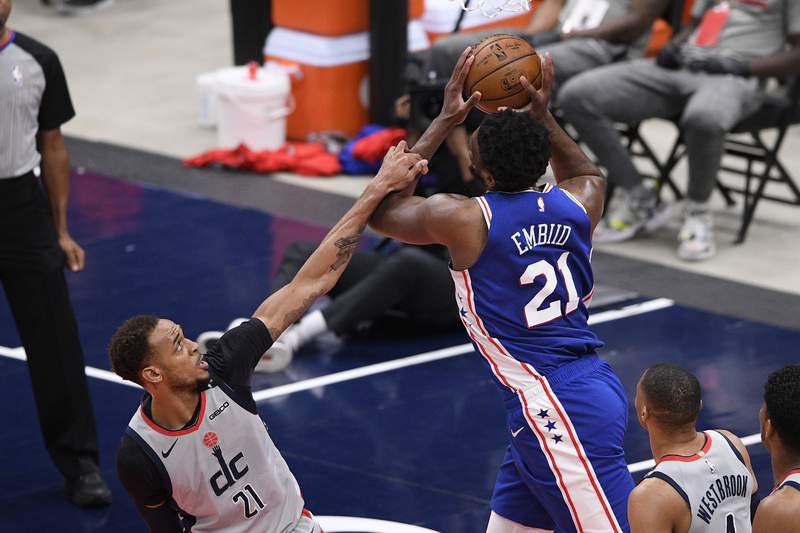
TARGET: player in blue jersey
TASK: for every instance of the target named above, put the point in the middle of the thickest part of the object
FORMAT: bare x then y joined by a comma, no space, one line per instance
521,265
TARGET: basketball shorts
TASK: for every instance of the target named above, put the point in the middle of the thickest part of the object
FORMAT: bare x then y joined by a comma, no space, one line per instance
565,469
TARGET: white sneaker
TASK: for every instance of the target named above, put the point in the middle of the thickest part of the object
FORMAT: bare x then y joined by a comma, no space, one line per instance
629,212
696,238
207,339
276,359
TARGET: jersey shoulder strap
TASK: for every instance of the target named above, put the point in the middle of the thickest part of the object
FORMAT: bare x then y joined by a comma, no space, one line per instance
656,474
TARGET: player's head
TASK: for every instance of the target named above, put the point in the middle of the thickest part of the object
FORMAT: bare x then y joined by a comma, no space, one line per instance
669,397
154,353
780,412
509,151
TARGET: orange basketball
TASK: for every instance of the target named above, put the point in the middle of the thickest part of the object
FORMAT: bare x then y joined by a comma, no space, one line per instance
499,62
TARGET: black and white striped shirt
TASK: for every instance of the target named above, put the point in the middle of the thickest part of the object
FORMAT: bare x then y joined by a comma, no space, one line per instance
33,97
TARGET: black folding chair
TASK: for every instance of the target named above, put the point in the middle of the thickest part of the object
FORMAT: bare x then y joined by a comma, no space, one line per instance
780,110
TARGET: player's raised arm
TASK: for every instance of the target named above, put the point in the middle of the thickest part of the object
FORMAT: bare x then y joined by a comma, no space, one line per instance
573,169
437,219
322,270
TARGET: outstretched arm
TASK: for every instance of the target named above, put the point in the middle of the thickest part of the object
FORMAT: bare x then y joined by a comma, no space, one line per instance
574,171
322,270
417,220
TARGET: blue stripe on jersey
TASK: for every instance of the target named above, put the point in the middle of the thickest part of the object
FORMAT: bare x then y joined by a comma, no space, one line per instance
533,280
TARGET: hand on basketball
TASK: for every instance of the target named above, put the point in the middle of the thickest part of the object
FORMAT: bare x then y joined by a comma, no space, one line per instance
540,99
455,108
400,168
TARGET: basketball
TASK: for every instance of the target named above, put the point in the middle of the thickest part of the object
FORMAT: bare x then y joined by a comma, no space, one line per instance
499,62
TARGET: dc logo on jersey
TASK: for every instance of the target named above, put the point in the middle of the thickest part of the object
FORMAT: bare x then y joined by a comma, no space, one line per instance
231,471
540,202
16,73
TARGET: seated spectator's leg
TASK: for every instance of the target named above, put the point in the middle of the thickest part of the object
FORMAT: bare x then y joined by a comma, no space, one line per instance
573,56
715,107
428,303
382,289
296,254
626,92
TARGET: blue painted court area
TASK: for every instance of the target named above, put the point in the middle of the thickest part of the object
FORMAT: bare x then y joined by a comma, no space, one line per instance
418,444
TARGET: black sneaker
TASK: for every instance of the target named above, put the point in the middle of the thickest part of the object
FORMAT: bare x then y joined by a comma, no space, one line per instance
88,490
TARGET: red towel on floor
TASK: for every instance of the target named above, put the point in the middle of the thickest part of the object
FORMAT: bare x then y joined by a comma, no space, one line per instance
309,159
373,147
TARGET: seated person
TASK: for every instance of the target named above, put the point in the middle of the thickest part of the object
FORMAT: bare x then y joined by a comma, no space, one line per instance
709,78
578,41
409,285
702,481
780,433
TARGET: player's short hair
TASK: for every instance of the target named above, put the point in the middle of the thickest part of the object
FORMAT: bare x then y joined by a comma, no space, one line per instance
673,394
514,148
130,349
782,400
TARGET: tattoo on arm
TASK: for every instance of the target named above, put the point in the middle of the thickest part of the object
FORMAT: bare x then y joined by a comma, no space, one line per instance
346,246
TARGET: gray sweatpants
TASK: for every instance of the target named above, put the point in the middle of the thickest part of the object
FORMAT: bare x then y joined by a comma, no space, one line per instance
571,57
705,105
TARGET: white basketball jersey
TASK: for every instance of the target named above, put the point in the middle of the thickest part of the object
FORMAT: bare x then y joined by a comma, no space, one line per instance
715,484
792,479
224,472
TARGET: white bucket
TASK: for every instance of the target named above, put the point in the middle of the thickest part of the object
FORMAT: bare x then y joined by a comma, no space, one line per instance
205,85
252,106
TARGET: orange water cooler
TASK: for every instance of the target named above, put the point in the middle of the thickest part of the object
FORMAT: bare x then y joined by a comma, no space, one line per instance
326,42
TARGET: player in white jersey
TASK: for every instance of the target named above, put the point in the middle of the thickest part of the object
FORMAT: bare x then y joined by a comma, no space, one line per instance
702,481
780,433
196,456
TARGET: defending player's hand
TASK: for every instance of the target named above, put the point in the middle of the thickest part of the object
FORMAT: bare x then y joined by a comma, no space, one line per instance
400,168
455,108
540,98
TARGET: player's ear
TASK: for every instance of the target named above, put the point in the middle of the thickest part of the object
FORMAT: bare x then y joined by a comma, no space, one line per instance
643,416
488,179
151,374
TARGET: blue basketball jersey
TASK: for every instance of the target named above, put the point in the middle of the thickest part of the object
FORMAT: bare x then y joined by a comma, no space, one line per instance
524,302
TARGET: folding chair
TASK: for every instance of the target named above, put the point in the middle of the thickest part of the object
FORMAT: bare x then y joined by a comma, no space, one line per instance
780,110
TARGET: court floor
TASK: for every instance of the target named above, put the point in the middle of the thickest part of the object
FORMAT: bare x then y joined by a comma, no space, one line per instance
402,428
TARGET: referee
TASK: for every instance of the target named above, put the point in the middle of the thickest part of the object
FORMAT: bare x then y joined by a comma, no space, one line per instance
35,245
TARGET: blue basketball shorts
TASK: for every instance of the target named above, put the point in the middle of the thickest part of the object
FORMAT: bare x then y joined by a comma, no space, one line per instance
565,468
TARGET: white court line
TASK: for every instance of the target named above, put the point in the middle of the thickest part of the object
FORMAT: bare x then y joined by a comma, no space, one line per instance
427,357
648,464
378,368
99,373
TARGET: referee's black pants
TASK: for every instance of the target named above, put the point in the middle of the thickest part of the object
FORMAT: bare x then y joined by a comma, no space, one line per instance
32,272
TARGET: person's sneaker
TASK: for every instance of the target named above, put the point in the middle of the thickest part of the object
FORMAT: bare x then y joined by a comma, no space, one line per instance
276,359
80,7
629,212
208,340
88,490
696,238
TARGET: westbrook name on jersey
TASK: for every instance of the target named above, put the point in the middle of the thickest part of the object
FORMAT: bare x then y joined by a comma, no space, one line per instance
715,483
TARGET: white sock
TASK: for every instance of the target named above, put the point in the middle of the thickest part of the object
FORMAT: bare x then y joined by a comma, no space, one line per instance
311,326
